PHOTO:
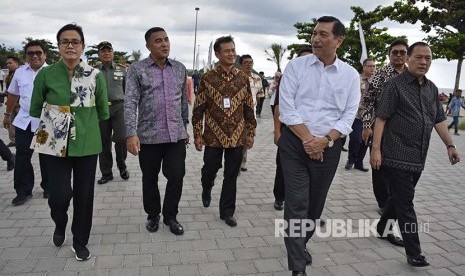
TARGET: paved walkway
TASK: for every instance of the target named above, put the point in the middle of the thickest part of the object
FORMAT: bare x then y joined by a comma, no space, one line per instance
121,245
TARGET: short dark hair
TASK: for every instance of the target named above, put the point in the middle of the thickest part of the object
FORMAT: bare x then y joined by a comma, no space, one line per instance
398,42
338,28
71,27
128,62
305,50
261,73
241,59
416,44
151,31
15,58
221,40
34,43
367,60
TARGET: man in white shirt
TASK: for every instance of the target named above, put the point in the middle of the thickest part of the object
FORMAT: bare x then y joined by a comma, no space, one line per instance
319,96
25,125
255,81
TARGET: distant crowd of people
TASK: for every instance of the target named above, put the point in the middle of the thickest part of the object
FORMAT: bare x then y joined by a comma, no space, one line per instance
71,113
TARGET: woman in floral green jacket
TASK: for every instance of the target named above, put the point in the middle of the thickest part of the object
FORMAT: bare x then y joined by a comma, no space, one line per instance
70,97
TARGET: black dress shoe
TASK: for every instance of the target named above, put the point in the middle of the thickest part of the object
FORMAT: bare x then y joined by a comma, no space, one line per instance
58,239
393,239
243,169
11,144
20,199
206,197
105,179
124,174
230,220
299,273
152,224
10,164
308,257
419,261
344,149
278,205
349,165
361,168
175,227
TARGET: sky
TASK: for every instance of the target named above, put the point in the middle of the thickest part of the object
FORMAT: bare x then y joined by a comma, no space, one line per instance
255,25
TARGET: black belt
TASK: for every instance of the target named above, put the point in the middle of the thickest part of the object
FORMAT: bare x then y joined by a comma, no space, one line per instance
115,102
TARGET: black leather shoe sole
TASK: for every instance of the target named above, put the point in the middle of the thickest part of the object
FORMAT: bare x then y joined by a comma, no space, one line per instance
175,227
105,179
363,169
20,200
230,220
278,205
393,240
418,262
206,197
124,174
152,224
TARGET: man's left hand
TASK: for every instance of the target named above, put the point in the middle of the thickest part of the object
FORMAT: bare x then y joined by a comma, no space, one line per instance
453,156
316,145
249,142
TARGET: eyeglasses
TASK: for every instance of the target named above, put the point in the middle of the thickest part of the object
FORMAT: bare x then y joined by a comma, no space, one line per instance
65,43
397,52
36,53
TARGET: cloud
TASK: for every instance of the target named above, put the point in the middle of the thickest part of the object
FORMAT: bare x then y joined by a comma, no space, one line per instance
253,24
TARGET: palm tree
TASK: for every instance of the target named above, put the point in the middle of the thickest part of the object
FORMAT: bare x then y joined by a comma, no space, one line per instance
136,55
276,54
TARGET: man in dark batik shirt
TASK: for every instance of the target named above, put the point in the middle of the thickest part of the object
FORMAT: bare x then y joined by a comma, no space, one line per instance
407,112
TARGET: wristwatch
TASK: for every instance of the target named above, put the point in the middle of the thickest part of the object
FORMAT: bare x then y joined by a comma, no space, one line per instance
330,141
451,146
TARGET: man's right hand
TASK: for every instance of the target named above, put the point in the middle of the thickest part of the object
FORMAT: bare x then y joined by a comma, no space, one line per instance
7,121
198,142
366,134
133,145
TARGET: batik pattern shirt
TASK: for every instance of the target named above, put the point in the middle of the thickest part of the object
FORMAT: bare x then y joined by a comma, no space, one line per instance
224,127
155,106
411,111
382,75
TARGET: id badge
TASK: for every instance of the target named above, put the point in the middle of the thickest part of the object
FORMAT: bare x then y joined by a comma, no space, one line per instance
226,102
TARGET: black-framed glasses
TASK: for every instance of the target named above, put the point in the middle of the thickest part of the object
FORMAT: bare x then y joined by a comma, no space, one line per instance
65,42
36,53
399,52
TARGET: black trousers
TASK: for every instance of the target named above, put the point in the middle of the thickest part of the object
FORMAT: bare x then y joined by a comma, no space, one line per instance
24,172
278,189
357,148
400,206
380,186
306,183
82,170
113,130
260,105
5,152
212,162
170,157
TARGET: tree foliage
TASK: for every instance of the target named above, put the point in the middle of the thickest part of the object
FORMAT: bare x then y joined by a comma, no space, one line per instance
377,39
6,52
276,54
136,55
445,17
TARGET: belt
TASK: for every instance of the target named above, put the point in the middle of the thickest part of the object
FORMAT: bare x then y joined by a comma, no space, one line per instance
115,102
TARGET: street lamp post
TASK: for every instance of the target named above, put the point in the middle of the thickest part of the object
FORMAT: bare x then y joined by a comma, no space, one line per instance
195,37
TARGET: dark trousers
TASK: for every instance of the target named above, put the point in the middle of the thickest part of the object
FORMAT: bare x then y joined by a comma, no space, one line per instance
278,189
113,130
455,124
24,172
272,110
400,206
357,148
380,186
307,183
5,152
260,105
212,160
170,157
82,170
